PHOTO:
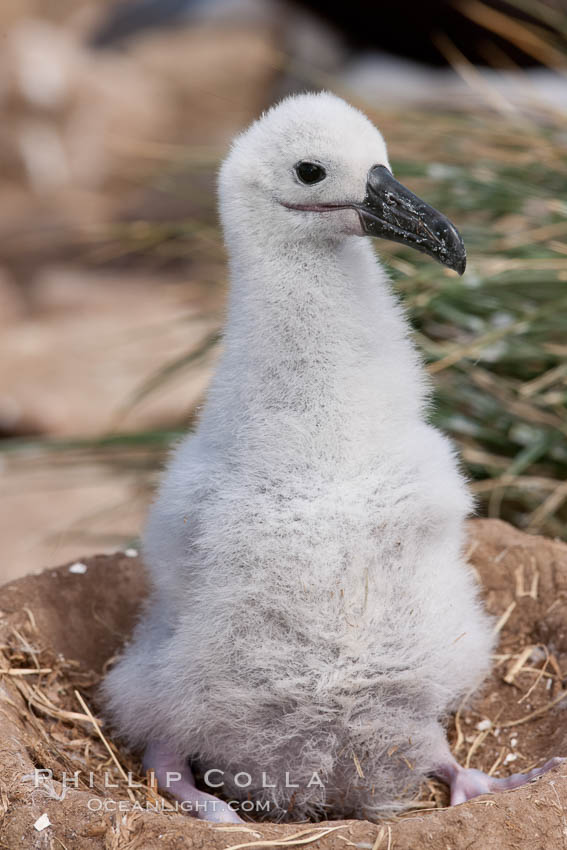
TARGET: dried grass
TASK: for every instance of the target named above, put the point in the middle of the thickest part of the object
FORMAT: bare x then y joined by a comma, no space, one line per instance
298,839
65,740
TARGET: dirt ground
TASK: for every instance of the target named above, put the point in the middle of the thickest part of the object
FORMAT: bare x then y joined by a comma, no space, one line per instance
60,629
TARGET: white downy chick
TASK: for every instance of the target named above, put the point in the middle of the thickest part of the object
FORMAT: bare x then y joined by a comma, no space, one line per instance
312,620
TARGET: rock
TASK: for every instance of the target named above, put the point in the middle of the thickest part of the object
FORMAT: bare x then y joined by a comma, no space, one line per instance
70,624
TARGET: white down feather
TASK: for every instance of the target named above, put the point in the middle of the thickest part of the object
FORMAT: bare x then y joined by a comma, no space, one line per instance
311,607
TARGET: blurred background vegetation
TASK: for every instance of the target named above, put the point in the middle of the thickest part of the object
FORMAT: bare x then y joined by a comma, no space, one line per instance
112,271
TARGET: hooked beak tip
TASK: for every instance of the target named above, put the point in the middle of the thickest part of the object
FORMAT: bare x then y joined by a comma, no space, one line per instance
455,257
457,266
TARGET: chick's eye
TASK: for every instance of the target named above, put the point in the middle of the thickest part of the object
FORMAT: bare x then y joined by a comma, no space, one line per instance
310,172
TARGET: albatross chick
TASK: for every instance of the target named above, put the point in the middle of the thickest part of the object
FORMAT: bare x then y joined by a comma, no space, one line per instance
312,620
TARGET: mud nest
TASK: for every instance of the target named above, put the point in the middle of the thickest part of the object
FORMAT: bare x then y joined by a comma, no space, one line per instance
64,783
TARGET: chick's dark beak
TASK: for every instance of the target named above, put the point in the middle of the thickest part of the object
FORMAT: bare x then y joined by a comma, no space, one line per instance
391,211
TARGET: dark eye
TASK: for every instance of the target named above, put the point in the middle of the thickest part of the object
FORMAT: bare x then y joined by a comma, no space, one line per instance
310,172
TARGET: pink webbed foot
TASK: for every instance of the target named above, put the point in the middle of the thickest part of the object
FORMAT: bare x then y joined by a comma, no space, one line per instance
173,774
466,782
